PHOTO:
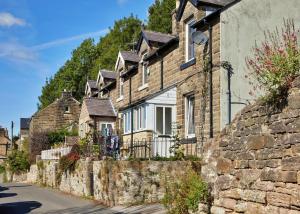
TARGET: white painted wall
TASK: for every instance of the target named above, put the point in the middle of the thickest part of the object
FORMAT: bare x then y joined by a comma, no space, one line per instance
242,25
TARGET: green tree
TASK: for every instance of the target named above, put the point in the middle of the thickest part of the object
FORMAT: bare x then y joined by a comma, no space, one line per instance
88,58
160,16
18,162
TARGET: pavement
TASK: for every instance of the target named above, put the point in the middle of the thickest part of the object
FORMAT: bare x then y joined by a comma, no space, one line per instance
25,198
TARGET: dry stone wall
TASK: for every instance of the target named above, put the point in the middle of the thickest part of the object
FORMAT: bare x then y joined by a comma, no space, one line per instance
255,164
128,182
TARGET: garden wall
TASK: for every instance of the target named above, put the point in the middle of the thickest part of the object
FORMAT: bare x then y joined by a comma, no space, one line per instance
112,182
129,182
254,166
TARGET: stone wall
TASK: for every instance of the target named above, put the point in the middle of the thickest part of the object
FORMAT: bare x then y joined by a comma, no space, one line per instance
78,182
112,182
254,166
129,182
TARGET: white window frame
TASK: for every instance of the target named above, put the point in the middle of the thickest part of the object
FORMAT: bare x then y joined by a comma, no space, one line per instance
164,118
121,90
139,119
187,100
209,10
187,39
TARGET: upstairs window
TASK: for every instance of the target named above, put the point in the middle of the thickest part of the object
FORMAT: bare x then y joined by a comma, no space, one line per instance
145,73
209,10
67,109
190,46
121,92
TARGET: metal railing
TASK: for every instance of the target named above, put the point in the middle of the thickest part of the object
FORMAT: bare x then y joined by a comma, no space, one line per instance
161,147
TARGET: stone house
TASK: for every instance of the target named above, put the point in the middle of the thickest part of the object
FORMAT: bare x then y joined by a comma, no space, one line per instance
24,128
4,142
189,78
91,88
96,112
62,113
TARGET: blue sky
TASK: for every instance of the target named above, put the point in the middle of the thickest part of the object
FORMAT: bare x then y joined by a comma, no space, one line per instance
37,37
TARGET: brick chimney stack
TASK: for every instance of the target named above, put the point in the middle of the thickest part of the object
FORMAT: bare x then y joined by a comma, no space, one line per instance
66,94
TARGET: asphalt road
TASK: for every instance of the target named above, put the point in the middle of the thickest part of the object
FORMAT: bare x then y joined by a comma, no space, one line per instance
25,198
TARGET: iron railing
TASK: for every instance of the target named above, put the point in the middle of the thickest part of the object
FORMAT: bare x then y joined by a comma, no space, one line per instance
161,147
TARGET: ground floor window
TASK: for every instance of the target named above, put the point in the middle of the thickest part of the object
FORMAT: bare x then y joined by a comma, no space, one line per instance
139,119
163,120
190,116
106,128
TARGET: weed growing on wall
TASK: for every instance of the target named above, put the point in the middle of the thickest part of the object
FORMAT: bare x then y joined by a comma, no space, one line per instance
276,63
185,194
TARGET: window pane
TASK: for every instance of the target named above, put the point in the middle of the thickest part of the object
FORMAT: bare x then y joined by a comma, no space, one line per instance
145,74
168,121
144,116
159,120
191,115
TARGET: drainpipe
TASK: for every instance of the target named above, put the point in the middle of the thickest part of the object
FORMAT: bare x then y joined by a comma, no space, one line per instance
161,73
211,133
130,101
229,95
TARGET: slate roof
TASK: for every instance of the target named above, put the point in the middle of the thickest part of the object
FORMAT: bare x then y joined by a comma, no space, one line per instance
130,56
108,74
196,3
99,107
92,84
24,123
157,37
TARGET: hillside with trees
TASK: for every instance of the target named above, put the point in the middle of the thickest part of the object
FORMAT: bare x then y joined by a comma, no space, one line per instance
89,57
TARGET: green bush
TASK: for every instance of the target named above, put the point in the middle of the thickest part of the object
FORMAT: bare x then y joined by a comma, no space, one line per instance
68,162
2,169
184,194
18,162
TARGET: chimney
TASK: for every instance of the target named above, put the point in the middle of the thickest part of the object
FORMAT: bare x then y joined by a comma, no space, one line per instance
175,26
66,94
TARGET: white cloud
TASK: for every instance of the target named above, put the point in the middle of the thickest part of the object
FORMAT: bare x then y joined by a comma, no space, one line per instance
16,51
121,2
8,20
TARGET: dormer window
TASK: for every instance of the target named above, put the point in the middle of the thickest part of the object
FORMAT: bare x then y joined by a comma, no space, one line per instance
67,109
190,46
121,87
209,10
145,73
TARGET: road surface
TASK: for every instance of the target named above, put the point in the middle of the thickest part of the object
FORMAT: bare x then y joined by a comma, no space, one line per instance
25,198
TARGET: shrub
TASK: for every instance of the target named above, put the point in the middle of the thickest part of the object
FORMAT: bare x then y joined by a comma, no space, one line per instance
185,194
2,169
18,162
68,162
276,63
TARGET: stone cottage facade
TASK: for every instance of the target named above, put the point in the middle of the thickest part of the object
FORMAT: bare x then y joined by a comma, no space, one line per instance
4,143
63,113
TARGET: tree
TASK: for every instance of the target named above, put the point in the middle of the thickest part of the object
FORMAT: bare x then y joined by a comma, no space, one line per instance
160,16
17,162
88,58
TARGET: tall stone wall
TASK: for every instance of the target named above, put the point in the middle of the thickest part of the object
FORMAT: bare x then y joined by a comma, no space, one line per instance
254,166
128,182
78,182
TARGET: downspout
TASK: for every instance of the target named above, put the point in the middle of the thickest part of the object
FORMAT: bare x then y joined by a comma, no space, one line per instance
211,134
130,101
229,95
161,73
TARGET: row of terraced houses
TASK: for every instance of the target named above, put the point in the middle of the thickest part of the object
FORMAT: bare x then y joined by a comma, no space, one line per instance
190,83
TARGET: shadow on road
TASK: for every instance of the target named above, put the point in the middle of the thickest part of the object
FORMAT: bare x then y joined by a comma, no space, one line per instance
3,188
19,207
6,195
18,186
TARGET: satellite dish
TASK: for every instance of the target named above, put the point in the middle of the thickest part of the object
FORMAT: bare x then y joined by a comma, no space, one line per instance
199,38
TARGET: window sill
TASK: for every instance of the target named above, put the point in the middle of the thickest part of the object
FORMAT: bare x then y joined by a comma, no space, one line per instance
120,99
188,64
143,87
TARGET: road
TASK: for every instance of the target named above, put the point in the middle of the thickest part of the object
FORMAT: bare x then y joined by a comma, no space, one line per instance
25,198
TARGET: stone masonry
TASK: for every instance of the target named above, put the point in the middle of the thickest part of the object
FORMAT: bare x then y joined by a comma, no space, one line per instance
254,165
